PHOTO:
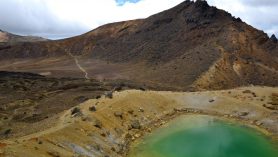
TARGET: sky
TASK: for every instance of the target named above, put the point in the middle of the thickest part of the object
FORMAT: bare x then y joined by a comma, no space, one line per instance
57,19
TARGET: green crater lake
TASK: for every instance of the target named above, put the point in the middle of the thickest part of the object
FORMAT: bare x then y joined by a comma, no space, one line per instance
204,136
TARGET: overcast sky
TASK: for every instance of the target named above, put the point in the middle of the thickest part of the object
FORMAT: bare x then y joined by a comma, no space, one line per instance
64,18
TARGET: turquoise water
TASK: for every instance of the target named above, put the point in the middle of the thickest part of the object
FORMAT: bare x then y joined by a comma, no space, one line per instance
204,136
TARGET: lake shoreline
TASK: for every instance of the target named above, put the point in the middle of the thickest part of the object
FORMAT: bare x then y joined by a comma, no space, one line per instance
178,112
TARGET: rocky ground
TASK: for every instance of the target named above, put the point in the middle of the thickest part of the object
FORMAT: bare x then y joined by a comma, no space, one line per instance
107,126
31,102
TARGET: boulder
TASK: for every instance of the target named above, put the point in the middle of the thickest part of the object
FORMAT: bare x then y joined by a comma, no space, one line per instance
109,94
141,109
243,114
97,123
53,153
211,100
93,108
135,124
76,111
130,111
118,114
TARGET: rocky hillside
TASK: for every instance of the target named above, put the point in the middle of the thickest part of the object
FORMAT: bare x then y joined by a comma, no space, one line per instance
191,46
12,38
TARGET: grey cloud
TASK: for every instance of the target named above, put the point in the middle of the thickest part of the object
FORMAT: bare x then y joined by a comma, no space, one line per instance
32,17
260,3
261,14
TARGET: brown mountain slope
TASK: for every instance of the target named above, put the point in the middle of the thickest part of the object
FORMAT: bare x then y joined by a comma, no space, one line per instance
12,38
192,45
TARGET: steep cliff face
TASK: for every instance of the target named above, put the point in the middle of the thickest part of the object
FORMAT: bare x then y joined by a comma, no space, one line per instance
192,45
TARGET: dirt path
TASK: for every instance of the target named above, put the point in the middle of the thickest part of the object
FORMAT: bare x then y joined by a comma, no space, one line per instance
86,75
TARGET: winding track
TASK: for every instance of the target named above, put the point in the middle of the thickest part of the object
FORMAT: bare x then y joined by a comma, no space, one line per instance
79,66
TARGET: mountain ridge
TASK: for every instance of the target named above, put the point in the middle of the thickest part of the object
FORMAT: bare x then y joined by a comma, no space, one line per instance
192,45
6,37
